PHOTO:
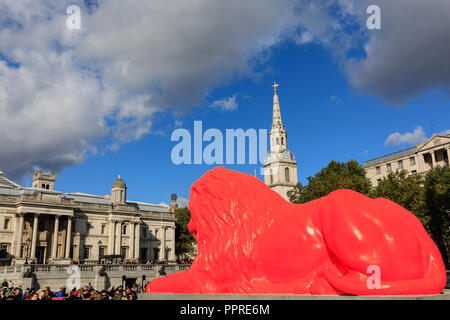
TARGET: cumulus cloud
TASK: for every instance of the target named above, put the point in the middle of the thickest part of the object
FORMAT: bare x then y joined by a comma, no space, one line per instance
406,58
226,104
409,138
62,92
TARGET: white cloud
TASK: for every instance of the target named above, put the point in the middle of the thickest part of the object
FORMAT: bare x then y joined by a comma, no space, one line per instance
408,138
64,91
226,104
182,202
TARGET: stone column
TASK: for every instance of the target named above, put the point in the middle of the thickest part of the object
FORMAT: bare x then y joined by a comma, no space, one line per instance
132,241
163,244
112,226
34,237
119,236
172,244
433,161
68,237
19,235
55,237
137,240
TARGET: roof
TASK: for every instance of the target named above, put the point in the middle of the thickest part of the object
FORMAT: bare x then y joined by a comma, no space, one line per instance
87,198
405,152
119,183
150,207
4,182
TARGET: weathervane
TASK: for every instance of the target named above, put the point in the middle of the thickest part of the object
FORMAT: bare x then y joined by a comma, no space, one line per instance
275,85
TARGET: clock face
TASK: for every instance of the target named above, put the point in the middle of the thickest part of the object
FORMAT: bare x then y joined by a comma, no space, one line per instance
286,155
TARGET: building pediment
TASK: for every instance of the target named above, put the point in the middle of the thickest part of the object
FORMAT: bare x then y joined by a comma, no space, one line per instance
435,141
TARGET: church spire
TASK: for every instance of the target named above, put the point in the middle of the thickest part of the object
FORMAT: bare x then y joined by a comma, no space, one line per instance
276,109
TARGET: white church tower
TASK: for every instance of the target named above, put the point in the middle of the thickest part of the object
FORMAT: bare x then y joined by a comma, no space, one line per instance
280,167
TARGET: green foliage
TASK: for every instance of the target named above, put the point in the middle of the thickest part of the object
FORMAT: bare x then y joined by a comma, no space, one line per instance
407,191
184,240
437,198
337,175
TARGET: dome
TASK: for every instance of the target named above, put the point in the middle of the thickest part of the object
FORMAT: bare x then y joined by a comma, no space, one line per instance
119,183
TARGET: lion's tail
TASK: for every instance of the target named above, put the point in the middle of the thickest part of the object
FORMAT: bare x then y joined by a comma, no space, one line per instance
355,283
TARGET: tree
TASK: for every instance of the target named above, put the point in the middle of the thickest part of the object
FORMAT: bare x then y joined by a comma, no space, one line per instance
184,240
405,190
437,198
337,175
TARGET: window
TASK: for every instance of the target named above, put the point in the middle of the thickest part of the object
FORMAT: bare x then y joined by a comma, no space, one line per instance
87,252
278,141
412,161
71,252
282,141
103,228
414,172
123,251
286,173
400,164
41,226
378,180
389,167
3,251
43,186
101,252
124,229
6,224
378,170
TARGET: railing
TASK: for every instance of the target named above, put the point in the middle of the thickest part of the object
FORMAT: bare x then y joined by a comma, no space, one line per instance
390,156
62,268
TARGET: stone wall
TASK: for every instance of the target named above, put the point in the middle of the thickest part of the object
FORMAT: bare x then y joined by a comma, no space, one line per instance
100,276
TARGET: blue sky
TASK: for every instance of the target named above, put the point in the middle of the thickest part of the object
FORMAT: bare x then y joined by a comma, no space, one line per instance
107,98
320,128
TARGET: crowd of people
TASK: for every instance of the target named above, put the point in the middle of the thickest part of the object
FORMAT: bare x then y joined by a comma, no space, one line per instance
9,292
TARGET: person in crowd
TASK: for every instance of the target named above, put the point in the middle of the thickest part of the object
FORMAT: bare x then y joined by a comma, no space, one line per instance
33,296
119,293
42,296
26,293
49,293
60,292
4,284
2,295
105,296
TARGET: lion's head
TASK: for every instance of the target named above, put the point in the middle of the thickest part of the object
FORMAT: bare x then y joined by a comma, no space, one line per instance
229,211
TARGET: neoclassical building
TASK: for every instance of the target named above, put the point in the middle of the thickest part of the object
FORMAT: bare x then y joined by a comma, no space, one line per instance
280,167
47,226
416,160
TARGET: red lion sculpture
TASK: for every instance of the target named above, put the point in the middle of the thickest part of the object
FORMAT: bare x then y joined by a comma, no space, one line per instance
251,241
